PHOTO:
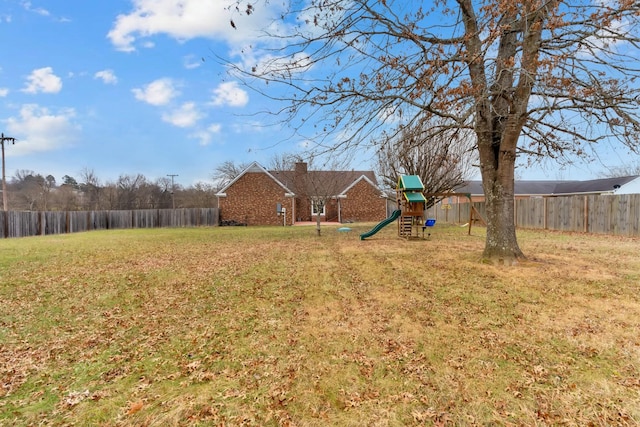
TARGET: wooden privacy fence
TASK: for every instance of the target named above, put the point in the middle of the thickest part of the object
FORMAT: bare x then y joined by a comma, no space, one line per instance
603,214
23,224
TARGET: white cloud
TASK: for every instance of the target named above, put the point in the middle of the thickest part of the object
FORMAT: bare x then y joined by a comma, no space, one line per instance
190,62
43,80
609,38
185,116
248,126
3,92
230,94
38,129
107,77
43,12
37,10
188,19
206,136
158,92
215,128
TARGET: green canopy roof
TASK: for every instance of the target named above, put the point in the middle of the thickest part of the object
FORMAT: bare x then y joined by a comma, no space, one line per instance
414,197
410,182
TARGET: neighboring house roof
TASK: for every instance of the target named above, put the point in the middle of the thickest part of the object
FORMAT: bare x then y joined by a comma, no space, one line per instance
556,188
606,185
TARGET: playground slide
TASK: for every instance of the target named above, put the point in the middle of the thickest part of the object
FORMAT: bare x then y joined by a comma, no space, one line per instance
394,215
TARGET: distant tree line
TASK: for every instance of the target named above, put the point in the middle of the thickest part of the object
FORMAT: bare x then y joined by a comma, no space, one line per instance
31,191
443,163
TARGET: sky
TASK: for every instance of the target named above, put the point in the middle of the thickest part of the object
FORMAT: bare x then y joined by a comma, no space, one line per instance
126,87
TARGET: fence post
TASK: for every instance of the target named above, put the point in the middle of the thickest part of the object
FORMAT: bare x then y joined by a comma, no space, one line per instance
586,214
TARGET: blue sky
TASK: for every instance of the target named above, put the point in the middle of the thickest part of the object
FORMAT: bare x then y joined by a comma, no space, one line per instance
127,87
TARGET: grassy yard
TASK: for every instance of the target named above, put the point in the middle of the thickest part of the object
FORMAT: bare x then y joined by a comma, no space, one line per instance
276,327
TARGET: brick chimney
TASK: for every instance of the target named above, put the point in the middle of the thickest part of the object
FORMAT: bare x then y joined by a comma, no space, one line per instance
300,168
300,178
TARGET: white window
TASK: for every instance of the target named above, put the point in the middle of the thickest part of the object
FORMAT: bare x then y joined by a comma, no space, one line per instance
318,207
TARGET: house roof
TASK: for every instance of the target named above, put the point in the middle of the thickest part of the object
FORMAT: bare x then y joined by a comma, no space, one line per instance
592,186
253,167
530,188
323,183
362,178
318,183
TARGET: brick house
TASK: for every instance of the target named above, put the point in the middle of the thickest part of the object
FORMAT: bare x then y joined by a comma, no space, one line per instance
261,197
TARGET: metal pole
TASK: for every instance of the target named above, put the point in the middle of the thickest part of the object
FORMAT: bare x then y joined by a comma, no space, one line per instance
4,179
173,200
4,184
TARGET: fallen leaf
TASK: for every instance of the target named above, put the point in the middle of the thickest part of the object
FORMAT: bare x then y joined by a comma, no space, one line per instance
135,407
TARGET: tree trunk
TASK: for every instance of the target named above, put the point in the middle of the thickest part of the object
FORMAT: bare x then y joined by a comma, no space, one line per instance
501,245
318,224
500,113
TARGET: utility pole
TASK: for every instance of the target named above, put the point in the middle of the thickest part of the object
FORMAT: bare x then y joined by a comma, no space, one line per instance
4,178
173,200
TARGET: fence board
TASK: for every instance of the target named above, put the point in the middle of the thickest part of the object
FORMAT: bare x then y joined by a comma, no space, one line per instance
530,213
23,224
605,214
634,215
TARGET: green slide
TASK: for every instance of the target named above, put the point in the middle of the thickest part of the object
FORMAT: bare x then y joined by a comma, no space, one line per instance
394,215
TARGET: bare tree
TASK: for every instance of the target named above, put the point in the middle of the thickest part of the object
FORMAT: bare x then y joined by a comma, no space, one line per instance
530,78
129,191
31,190
161,193
91,189
66,197
320,200
109,196
284,161
47,183
443,162
227,171
322,187
199,195
623,170
34,191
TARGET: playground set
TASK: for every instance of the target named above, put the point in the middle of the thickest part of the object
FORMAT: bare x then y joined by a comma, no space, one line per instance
411,203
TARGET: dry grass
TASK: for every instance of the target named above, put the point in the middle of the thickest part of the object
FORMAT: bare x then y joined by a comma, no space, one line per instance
274,326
